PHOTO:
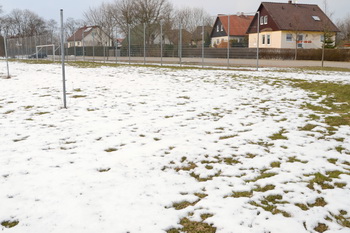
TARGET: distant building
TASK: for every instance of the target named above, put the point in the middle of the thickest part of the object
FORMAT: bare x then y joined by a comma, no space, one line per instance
291,25
89,36
230,28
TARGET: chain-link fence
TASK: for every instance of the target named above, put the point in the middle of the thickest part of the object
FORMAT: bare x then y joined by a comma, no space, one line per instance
157,44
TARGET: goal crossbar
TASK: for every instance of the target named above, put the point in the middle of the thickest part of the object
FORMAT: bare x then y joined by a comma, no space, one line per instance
38,48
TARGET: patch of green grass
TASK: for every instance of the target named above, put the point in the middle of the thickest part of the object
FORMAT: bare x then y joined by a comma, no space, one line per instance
78,96
184,204
294,159
332,160
337,100
242,194
198,178
77,90
190,166
231,161
269,204
193,227
279,135
342,219
28,107
103,169
9,223
339,149
302,206
228,136
111,149
275,164
263,175
9,111
321,227
42,113
265,188
321,180
318,202
308,127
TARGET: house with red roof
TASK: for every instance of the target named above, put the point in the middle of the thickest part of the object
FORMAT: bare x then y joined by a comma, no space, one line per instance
229,28
290,25
89,36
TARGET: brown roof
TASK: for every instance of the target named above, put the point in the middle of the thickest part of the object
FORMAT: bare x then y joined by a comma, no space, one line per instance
302,17
78,35
238,24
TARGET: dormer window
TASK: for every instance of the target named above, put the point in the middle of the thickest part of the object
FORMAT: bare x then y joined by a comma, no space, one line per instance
222,28
265,19
262,20
217,28
316,18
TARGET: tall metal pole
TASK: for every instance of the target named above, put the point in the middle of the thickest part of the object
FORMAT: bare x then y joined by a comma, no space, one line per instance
75,48
63,66
258,41
116,45
144,44
83,43
203,45
228,41
7,61
93,47
129,41
161,44
180,45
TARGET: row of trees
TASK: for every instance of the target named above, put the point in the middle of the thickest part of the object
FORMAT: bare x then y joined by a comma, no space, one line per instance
114,18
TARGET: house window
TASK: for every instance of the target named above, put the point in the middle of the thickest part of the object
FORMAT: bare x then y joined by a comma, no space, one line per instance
265,19
322,38
268,39
263,39
262,20
316,18
217,28
222,28
289,37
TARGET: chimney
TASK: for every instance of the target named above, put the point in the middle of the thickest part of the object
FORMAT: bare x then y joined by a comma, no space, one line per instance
290,1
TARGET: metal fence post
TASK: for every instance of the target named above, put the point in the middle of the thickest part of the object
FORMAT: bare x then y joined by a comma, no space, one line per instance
228,42
116,45
129,41
63,68
161,44
93,46
83,43
180,45
257,41
144,43
203,44
7,62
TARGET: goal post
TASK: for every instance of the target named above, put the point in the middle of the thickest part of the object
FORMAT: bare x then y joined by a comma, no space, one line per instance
38,48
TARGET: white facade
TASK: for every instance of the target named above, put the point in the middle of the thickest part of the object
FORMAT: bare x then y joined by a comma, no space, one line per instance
287,40
96,37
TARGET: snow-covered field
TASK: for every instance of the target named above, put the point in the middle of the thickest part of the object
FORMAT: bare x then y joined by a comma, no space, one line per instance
153,150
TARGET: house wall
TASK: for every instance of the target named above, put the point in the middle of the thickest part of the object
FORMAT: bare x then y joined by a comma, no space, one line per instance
217,40
311,40
98,39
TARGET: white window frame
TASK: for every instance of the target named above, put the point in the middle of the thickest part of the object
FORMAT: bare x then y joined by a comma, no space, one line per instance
289,37
263,39
222,28
268,39
265,19
217,28
261,20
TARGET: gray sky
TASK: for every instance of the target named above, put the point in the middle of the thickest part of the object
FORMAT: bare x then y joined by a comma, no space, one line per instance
49,9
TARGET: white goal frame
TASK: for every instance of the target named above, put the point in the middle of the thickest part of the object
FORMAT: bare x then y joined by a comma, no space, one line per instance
38,48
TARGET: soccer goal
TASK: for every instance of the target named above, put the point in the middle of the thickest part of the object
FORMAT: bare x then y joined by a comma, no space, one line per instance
38,49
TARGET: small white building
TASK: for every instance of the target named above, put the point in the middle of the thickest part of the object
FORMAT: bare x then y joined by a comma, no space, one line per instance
89,36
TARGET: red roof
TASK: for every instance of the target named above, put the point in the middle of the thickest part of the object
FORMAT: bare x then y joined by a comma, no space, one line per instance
238,24
78,35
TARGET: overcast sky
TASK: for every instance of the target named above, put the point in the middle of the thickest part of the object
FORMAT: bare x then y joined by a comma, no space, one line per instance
49,9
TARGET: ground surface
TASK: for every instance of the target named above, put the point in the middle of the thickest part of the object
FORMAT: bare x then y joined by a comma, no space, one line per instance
169,150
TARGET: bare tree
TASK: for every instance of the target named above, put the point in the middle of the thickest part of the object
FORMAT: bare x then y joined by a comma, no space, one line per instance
71,25
191,18
344,27
101,16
